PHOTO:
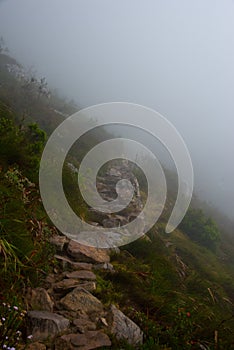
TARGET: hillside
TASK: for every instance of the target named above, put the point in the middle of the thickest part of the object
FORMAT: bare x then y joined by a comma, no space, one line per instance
178,288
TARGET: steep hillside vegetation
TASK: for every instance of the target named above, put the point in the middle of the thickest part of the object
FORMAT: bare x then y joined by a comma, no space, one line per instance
177,287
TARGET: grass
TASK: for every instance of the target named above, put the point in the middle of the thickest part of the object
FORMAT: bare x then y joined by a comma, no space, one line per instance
173,311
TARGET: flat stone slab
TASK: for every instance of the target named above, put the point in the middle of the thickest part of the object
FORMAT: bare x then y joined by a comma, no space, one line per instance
74,264
87,254
64,285
81,300
68,284
82,275
90,286
44,324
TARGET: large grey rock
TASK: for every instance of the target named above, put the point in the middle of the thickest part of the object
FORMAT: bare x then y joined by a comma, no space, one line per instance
43,324
38,299
124,328
87,341
88,254
81,300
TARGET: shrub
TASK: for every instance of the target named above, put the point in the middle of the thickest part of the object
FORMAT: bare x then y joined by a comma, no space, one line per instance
200,228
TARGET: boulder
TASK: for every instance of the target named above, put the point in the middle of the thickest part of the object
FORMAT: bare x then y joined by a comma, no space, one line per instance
87,254
44,324
82,301
123,328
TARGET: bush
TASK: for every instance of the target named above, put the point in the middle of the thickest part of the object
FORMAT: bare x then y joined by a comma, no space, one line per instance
20,145
24,249
200,229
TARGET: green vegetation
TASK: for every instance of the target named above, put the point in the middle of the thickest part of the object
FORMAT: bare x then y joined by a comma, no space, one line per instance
20,145
200,229
176,293
25,254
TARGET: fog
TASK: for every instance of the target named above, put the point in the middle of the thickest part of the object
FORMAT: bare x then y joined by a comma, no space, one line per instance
176,57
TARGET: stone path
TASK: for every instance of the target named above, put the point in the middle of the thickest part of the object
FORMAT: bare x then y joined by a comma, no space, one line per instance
65,314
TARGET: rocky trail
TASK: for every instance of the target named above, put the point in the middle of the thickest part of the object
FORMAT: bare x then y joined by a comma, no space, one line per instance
64,314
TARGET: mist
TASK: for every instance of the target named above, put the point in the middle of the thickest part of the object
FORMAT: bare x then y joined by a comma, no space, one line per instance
176,57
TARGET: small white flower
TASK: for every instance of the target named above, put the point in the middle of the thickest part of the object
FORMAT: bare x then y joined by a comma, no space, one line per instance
16,308
30,336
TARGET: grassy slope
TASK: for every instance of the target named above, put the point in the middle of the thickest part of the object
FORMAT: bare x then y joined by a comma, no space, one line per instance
153,283
159,279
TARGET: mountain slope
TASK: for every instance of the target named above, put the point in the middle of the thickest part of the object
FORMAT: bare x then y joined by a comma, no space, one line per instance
179,291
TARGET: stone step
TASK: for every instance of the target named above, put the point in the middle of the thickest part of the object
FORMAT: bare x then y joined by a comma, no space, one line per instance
82,301
44,324
68,284
87,254
81,275
66,261
80,321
